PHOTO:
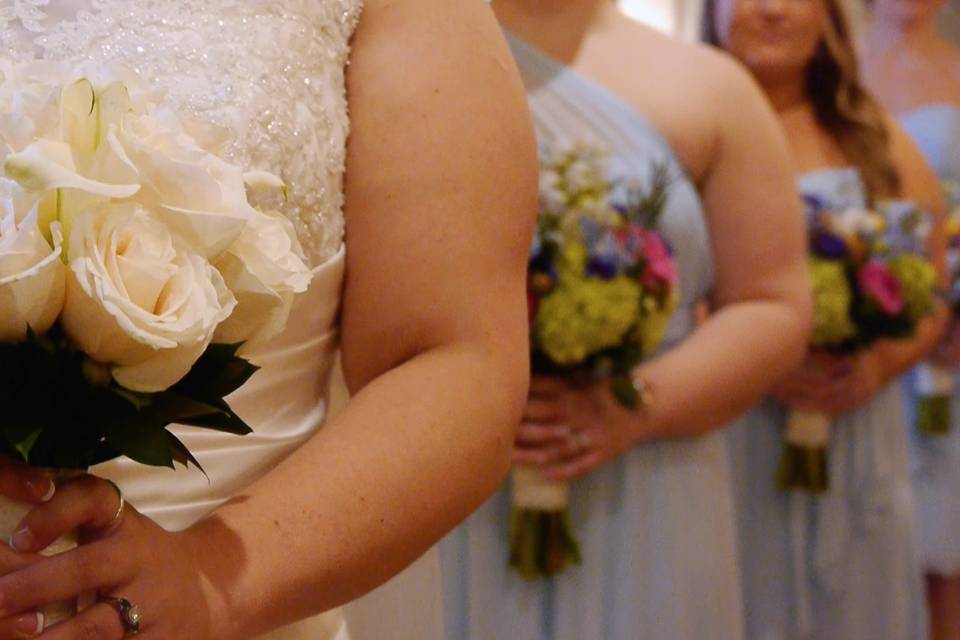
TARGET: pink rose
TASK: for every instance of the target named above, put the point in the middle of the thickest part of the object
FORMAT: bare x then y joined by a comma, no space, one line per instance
877,283
661,268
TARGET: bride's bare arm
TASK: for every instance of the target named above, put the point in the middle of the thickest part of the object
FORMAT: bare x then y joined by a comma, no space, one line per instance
440,205
441,198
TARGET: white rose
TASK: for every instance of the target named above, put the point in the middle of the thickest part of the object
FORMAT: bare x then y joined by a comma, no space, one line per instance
31,272
265,270
112,144
29,94
139,299
202,197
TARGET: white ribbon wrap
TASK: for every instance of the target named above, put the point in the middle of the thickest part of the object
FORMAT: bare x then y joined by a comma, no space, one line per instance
808,429
532,491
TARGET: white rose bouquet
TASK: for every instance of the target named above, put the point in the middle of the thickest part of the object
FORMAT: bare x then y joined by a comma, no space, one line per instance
131,262
134,271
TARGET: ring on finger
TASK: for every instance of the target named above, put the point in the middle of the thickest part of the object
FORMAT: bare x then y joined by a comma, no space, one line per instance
121,505
582,440
129,614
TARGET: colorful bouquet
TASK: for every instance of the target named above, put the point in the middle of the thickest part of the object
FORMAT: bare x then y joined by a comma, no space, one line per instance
870,281
933,384
602,287
133,266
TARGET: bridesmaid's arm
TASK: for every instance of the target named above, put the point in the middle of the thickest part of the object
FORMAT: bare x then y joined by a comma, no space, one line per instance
441,201
762,302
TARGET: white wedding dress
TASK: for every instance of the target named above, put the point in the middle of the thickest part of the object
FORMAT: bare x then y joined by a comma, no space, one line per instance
270,75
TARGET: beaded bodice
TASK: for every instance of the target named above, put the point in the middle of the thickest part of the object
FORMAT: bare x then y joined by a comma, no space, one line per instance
269,74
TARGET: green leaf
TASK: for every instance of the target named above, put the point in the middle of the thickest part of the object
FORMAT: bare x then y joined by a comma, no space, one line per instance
182,455
227,422
145,444
624,391
218,373
168,408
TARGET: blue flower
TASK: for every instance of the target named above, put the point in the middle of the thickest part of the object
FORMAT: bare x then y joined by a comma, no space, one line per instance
603,266
827,245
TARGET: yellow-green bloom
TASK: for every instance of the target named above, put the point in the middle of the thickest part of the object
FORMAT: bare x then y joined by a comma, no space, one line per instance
831,303
572,262
585,316
918,281
654,320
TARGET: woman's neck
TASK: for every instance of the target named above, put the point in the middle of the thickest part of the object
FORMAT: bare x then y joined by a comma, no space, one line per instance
556,27
786,92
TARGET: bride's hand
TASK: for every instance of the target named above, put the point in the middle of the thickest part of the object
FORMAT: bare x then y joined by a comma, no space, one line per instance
567,431
122,554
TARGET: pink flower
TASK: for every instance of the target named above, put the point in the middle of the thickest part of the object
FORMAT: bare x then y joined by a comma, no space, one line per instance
877,283
661,268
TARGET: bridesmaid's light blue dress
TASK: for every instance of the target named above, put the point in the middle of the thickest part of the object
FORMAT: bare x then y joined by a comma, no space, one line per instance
936,459
842,566
656,526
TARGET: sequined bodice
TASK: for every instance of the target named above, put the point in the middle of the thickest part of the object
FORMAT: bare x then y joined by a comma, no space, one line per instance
268,73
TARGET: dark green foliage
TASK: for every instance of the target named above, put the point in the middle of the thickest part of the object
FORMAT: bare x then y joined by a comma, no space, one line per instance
52,415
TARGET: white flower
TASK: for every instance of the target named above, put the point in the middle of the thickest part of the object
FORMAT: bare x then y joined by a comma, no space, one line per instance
265,270
28,102
138,298
31,272
552,197
200,196
852,222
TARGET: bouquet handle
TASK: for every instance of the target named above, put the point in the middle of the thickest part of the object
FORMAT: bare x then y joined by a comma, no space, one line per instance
934,390
803,464
542,543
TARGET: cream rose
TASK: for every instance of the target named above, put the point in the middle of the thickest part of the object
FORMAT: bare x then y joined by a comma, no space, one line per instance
265,269
31,271
138,298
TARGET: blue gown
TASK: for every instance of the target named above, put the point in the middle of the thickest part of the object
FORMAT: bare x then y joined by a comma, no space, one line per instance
936,459
656,525
842,566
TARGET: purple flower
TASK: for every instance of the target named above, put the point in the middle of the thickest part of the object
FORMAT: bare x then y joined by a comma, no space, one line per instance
603,266
877,283
828,245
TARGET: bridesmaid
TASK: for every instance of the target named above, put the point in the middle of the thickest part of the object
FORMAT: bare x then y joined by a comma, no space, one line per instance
651,501
841,566
916,74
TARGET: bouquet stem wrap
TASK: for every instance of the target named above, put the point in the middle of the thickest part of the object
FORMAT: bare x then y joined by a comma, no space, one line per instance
803,465
934,388
542,542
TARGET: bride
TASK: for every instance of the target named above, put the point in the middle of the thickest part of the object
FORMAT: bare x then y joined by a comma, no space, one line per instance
425,299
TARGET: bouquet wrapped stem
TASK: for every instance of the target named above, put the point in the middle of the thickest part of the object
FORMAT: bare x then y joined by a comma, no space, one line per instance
934,387
542,542
804,462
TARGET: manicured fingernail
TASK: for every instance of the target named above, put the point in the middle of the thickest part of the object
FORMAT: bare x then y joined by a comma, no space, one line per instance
30,625
22,540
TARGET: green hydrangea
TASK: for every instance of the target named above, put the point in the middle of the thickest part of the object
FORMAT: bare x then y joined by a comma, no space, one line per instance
918,281
584,316
831,303
572,262
654,320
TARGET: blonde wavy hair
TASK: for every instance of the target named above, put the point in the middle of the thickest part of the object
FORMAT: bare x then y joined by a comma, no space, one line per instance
841,102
